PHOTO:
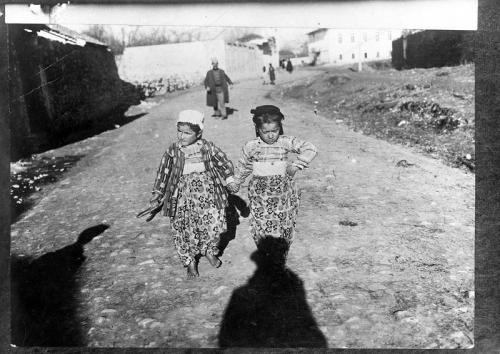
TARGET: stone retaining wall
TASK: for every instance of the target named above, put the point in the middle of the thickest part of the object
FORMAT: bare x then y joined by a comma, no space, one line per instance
59,88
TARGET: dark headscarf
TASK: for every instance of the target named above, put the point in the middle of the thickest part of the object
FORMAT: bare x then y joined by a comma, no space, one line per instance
266,109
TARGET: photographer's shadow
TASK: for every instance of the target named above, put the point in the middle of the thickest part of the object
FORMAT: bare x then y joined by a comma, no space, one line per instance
270,311
44,294
235,204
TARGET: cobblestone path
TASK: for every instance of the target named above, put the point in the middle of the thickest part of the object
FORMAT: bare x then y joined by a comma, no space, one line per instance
383,255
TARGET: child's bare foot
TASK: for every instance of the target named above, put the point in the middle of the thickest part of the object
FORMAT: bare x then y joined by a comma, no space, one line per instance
214,260
191,270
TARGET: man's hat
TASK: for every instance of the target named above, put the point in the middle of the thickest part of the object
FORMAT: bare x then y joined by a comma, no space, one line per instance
191,116
268,108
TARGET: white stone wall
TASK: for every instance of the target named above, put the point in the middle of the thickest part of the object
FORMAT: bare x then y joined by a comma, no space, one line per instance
189,61
300,61
242,62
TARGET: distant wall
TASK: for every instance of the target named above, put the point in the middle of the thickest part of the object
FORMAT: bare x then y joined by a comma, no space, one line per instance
433,49
300,61
242,62
57,89
189,60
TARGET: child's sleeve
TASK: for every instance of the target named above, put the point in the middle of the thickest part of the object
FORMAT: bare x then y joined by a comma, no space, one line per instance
162,176
305,150
244,166
223,164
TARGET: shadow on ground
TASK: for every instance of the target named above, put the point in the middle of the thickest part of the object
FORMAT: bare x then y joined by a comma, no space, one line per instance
44,294
230,110
90,129
235,204
34,174
271,309
39,171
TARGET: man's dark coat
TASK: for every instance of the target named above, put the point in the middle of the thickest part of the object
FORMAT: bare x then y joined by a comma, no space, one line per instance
210,82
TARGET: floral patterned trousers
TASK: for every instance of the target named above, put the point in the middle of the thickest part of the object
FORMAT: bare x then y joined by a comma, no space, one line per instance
274,203
197,223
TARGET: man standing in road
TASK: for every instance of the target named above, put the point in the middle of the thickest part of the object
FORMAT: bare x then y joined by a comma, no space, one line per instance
272,75
216,83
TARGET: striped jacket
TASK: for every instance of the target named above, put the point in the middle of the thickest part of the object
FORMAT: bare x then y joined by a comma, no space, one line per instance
257,150
219,167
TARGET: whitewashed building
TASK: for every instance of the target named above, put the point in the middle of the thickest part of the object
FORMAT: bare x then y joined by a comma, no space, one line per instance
344,46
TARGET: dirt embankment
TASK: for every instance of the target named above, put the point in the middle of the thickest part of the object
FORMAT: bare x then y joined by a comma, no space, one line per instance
430,109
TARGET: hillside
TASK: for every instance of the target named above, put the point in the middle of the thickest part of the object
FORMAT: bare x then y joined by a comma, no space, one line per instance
429,109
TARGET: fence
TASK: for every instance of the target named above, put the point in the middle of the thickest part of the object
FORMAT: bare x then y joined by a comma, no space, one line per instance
433,49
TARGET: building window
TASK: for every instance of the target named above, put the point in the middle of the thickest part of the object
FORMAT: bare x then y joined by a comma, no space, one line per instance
378,54
365,36
352,37
353,56
366,55
340,57
340,37
377,36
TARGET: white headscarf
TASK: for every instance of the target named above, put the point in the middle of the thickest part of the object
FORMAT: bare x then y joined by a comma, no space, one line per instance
191,116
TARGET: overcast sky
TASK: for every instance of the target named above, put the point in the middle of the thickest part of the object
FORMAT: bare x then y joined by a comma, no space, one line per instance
284,35
411,14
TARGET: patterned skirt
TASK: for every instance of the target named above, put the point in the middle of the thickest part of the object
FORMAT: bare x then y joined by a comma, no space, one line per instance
197,223
274,203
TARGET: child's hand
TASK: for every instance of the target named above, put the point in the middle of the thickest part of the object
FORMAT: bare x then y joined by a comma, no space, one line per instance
153,202
291,170
233,187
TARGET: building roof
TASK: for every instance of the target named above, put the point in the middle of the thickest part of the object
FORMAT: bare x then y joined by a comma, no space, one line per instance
75,35
62,34
249,37
317,30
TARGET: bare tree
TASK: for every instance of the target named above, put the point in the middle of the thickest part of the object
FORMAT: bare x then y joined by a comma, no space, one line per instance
103,34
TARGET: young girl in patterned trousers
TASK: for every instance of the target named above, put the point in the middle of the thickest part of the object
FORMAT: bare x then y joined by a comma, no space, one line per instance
274,199
190,184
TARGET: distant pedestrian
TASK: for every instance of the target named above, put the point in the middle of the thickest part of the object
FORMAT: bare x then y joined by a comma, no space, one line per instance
272,75
216,84
264,75
274,199
289,66
189,189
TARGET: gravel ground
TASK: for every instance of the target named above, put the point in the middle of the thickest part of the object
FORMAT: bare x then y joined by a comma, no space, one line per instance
383,256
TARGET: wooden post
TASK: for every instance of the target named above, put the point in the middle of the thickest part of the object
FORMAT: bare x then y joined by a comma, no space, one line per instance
360,65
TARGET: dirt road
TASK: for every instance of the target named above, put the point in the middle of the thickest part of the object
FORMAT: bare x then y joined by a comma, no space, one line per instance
383,255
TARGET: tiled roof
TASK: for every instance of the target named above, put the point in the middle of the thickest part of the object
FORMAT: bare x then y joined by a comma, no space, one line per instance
317,30
74,35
